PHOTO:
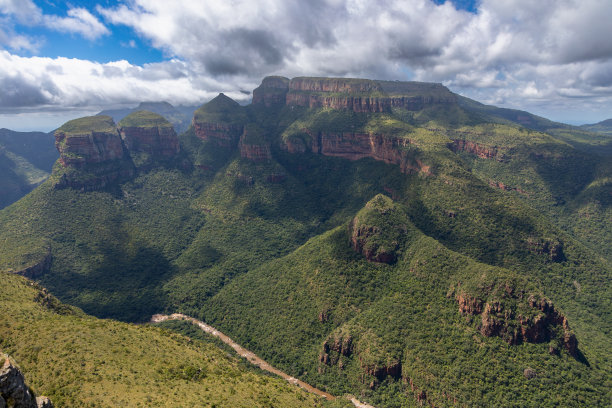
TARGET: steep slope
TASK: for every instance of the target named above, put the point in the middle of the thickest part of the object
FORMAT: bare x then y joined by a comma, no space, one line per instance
376,306
26,159
78,360
227,241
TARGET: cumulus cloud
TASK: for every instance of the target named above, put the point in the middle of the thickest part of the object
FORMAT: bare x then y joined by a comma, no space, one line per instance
78,21
517,53
37,82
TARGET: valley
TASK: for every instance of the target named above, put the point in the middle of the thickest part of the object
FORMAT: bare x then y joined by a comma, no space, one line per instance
389,240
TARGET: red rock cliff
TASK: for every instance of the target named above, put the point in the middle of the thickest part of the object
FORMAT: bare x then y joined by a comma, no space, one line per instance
272,91
253,145
221,134
159,141
355,146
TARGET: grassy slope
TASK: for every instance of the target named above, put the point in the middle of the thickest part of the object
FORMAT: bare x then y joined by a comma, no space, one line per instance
173,240
78,360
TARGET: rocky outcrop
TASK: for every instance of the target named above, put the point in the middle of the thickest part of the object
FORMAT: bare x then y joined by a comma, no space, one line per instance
517,317
358,95
157,141
482,151
364,96
38,269
221,134
13,390
379,230
92,154
355,146
220,121
551,248
253,144
505,187
271,92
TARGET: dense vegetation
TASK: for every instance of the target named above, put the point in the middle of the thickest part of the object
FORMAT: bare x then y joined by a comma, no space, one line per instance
26,159
81,361
265,251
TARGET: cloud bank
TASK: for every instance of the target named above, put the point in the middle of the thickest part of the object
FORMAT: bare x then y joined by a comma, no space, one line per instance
550,56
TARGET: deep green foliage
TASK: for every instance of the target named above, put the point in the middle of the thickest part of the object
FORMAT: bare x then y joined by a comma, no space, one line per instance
144,118
262,251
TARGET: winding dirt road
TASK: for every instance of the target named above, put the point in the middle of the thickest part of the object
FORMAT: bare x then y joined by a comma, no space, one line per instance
252,357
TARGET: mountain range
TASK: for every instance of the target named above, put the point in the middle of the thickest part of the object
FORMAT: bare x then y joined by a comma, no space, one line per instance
390,240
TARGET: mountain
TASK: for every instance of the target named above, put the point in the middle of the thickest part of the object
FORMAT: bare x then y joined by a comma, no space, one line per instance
26,159
180,116
387,239
605,126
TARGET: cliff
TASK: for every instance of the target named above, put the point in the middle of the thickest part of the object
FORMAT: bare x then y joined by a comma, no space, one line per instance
253,144
509,311
271,92
13,390
148,137
220,121
358,95
355,146
92,154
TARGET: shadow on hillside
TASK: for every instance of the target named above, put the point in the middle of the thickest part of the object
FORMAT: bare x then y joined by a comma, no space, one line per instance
124,283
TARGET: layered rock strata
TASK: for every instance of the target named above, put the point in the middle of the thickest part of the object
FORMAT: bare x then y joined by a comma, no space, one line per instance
355,146
358,95
541,323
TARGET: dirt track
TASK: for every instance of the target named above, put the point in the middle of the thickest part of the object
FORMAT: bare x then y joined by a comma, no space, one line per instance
252,357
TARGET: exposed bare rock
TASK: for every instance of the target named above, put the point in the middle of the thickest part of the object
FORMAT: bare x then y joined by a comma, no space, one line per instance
519,317
221,134
14,393
480,150
355,146
253,144
39,268
92,154
272,91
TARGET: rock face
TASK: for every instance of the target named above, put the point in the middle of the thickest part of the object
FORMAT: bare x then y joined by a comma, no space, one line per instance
221,134
519,317
220,121
13,390
253,144
379,230
355,146
92,153
150,135
358,95
484,152
271,92
38,269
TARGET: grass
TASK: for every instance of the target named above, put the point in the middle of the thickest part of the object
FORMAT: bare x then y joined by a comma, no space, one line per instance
88,124
144,119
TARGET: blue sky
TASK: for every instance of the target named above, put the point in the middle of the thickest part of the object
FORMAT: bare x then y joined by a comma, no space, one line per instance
62,59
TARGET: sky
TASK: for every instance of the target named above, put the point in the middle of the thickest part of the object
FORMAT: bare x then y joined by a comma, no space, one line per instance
65,59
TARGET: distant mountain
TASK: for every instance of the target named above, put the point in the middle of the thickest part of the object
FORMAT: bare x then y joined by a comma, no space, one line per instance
26,159
180,116
391,240
605,126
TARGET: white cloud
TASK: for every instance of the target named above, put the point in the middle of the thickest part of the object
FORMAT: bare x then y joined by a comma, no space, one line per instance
37,82
78,21
521,53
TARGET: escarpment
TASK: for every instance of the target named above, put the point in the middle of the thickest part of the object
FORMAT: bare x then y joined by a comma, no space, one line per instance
355,146
13,389
220,122
253,144
518,316
92,154
148,137
482,151
358,95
